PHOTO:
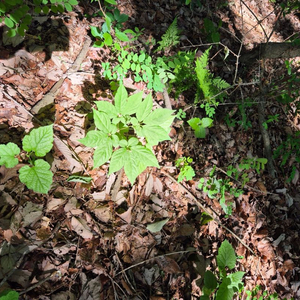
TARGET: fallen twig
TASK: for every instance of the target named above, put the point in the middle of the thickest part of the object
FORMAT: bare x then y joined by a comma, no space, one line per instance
209,211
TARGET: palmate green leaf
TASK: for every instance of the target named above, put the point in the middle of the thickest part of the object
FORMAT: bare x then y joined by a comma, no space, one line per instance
37,178
40,140
94,138
120,98
107,107
7,155
159,117
117,160
154,134
226,256
145,108
103,153
134,160
132,104
103,122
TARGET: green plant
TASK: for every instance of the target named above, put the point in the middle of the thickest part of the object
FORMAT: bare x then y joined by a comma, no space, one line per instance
170,38
199,126
113,22
211,30
242,118
224,284
17,14
288,148
181,114
210,88
140,65
126,132
37,176
220,188
270,120
184,72
186,171
264,295
9,295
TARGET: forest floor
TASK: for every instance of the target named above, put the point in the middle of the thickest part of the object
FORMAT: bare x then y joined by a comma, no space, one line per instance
90,241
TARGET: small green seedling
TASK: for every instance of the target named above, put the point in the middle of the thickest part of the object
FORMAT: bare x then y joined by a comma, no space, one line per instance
186,171
199,126
37,176
126,131
225,284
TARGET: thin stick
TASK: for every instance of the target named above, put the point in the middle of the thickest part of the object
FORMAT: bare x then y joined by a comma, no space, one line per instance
151,259
209,212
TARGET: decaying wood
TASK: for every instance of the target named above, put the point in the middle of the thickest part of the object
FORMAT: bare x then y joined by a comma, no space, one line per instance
272,51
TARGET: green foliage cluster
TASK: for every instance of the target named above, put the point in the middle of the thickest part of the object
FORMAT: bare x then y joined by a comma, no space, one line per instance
210,87
253,295
113,23
139,64
170,38
37,175
242,118
226,284
186,170
219,188
126,131
199,126
17,14
9,295
287,149
211,30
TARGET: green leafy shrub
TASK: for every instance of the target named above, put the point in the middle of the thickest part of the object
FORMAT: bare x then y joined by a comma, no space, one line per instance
225,284
186,171
37,176
126,131
17,14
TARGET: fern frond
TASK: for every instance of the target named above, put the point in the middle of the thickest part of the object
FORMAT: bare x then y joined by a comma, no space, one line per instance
170,38
220,83
203,74
210,87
